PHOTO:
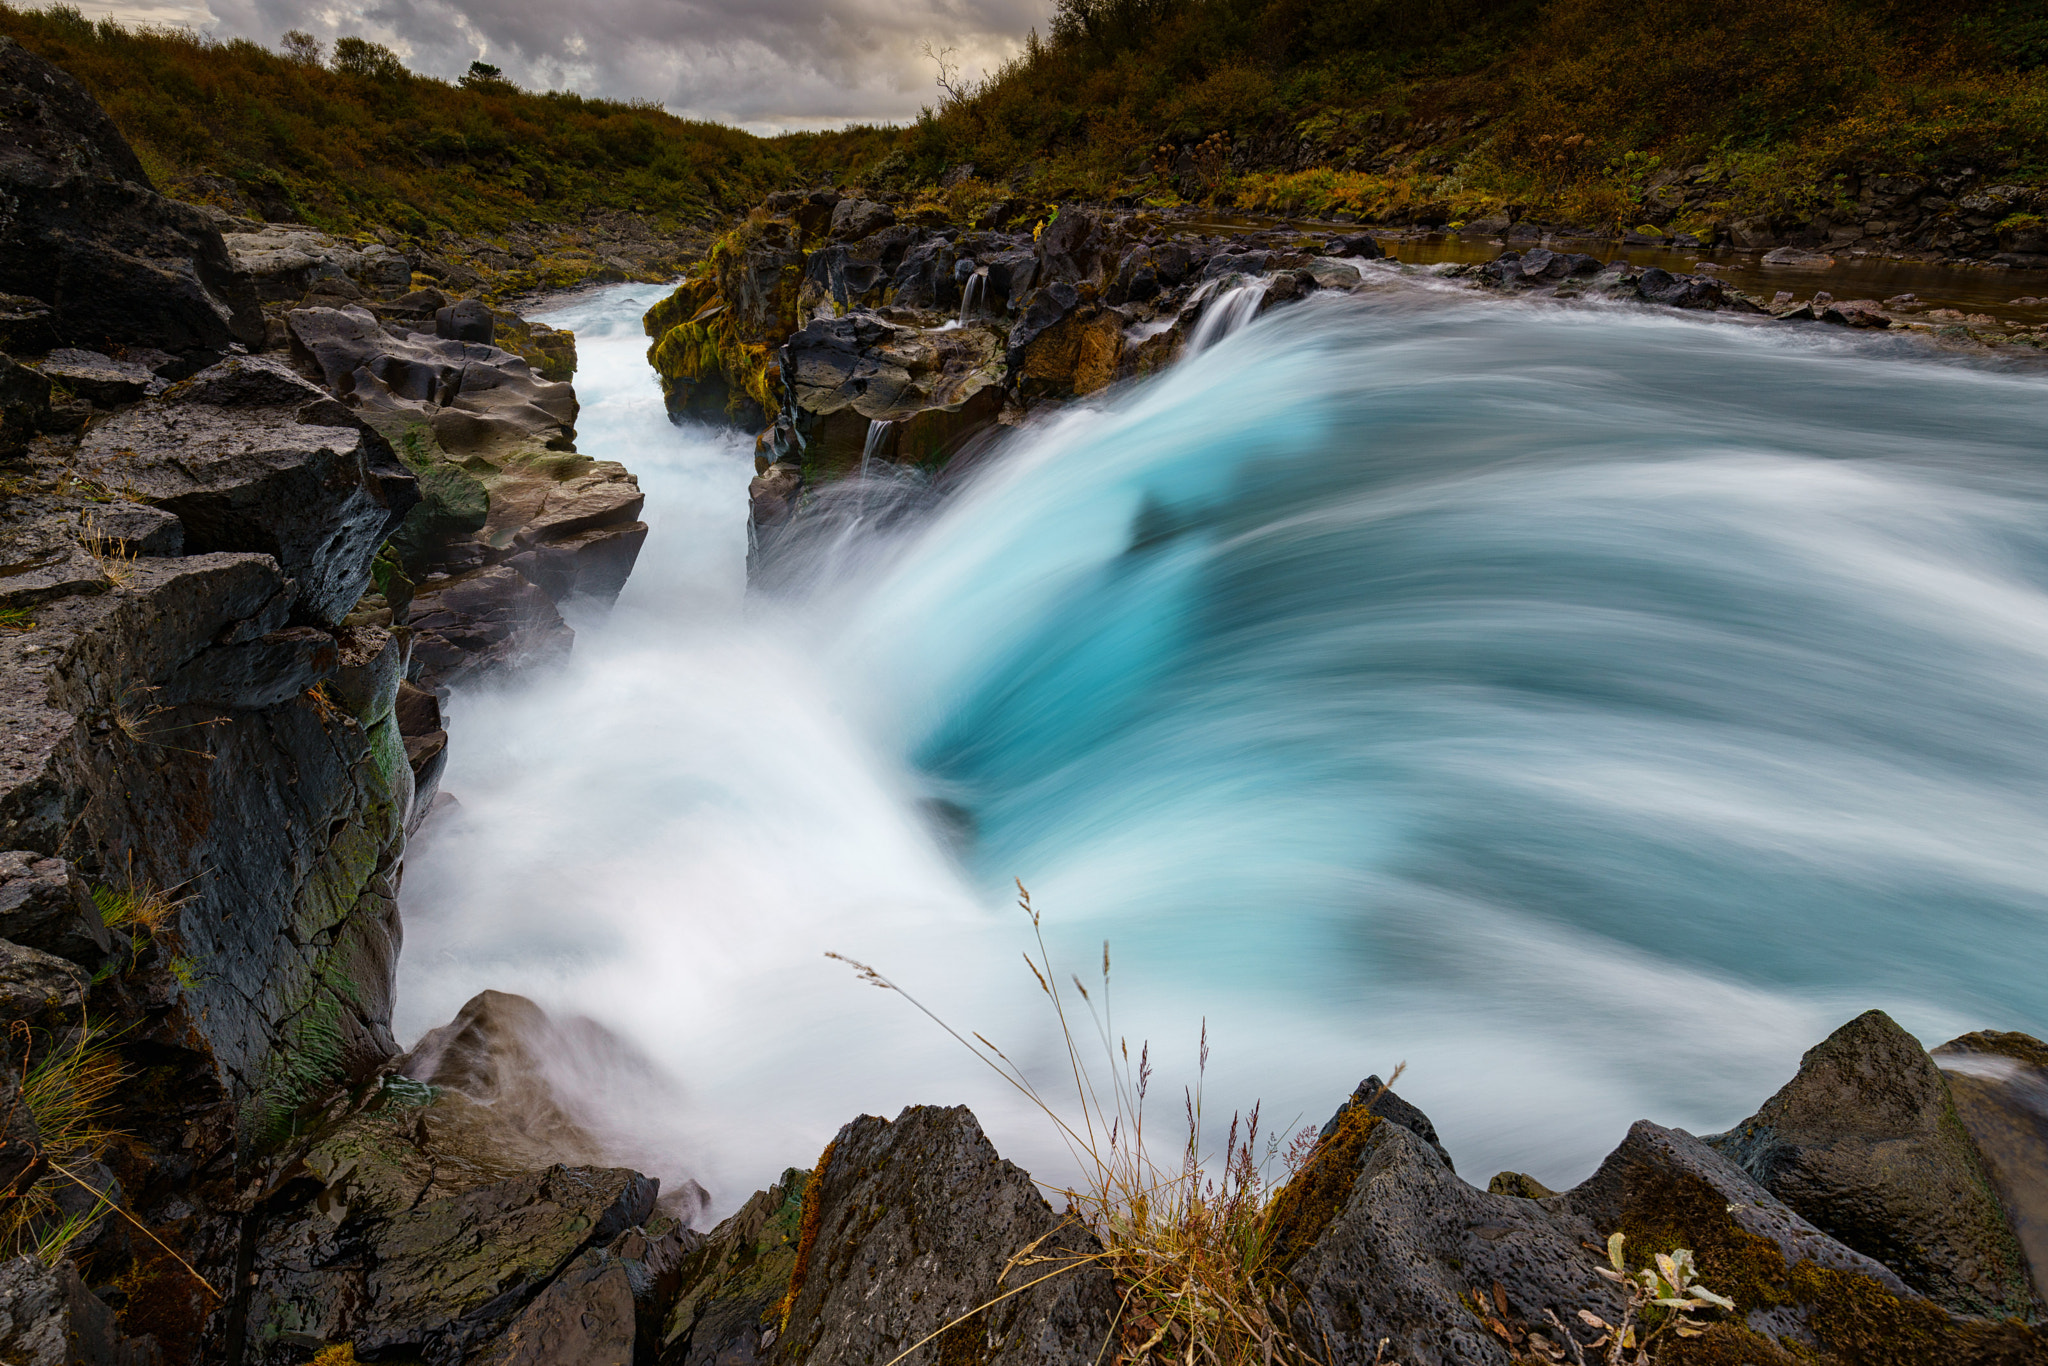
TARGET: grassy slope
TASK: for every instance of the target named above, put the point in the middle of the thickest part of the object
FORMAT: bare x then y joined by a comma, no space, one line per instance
409,153
1564,108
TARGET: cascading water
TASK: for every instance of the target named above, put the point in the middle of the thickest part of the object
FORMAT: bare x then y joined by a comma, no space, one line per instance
970,295
1225,314
878,436
1591,709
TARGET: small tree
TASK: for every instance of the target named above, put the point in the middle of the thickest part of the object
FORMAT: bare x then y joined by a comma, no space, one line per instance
301,47
355,56
484,76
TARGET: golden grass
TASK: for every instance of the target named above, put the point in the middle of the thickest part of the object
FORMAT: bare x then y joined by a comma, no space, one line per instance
1193,1240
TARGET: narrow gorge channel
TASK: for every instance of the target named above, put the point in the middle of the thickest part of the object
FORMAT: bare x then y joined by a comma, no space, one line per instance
1588,707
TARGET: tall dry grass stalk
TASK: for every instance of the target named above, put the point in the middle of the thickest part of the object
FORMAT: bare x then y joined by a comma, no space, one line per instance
1190,1237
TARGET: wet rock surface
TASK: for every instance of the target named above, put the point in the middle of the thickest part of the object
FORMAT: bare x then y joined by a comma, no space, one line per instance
1866,1142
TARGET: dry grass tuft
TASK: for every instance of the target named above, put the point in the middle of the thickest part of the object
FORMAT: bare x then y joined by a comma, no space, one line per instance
1194,1241
66,1093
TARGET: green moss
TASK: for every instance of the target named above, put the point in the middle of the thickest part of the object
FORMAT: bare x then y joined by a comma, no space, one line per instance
1307,1204
1726,1344
1863,1324
1681,1210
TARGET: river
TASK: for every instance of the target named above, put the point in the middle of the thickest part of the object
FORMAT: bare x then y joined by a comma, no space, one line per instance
1589,707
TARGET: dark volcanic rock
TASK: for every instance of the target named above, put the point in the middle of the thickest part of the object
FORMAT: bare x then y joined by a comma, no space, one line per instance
88,235
856,218
1679,291
35,985
2000,1085
104,380
45,905
49,1318
1378,1100
1866,1143
483,623
250,457
916,1220
728,1309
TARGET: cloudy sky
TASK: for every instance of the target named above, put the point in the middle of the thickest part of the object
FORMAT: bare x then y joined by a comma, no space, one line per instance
768,65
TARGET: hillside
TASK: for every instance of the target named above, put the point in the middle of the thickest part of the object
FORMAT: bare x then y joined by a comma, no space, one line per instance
376,146
1570,111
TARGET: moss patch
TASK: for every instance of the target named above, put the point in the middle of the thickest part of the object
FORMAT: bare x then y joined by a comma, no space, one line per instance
1307,1204
807,1232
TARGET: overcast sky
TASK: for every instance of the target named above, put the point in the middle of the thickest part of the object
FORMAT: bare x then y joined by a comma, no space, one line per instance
768,65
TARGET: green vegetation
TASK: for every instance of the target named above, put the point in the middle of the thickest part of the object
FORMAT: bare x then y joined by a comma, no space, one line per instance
1567,109
359,142
67,1091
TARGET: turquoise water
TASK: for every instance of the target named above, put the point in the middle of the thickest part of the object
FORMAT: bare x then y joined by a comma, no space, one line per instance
1590,708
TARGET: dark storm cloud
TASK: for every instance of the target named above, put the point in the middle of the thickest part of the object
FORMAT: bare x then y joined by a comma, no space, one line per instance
764,64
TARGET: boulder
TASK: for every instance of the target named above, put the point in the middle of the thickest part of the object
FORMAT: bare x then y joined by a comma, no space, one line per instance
856,218
1377,1099
465,321
1866,1143
491,621
2000,1085
1361,245
27,326
910,1225
104,380
250,457
44,559
132,529
731,1286
478,399
49,1318
45,905
286,260
1659,286
89,236
605,1309
840,375
37,986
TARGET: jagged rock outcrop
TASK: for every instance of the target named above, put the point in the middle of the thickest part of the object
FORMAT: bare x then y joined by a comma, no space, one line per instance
916,1222
249,456
284,261
1865,1141
88,235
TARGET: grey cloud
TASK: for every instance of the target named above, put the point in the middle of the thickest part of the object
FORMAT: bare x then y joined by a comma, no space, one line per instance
768,65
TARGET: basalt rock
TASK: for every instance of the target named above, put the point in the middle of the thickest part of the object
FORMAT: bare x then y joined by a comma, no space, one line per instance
915,1222
490,621
936,387
49,1318
89,236
1999,1082
856,218
45,905
104,380
731,1286
250,457
1376,1098
1866,1142
285,261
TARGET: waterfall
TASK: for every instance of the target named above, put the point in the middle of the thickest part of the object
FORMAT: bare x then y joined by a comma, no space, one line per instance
970,295
1533,695
1225,315
878,434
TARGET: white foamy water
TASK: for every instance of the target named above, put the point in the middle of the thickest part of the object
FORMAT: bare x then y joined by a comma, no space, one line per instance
1591,711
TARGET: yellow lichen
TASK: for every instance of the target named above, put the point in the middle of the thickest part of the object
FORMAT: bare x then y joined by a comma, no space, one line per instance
806,1235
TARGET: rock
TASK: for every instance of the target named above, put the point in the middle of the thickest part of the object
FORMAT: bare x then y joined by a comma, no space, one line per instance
38,986
1361,245
1070,249
488,622
405,1247
1865,1141
198,761
104,380
731,1286
49,1318
2000,1085
1678,291
27,326
45,905
285,261
842,374
43,560
250,457
593,564
465,321
1798,258
1518,1184
1388,1243
1377,1100
478,400
131,529
856,218
915,1222
1797,313
115,261
418,713
603,1310
1861,313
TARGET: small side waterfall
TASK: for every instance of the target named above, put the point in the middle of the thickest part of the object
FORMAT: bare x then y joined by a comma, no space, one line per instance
970,295
878,436
1232,310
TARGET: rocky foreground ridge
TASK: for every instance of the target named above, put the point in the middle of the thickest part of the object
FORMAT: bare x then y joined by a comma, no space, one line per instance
243,543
